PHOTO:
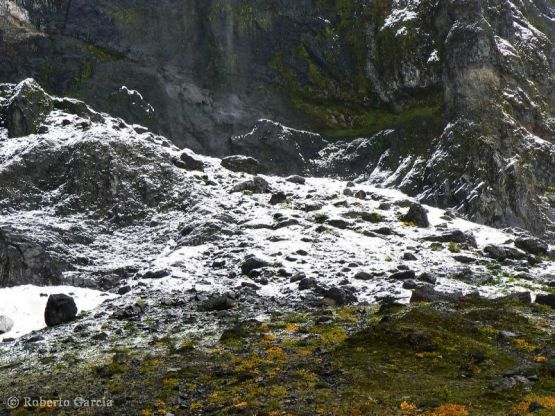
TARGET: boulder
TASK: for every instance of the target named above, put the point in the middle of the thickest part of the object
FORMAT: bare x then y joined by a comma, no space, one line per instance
403,275
278,198
453,236
339,296
417,215
253,263
429,294
548,300
60,309
26,109
217,303
6,324
532,245
256,185
188,162
297,179
239,163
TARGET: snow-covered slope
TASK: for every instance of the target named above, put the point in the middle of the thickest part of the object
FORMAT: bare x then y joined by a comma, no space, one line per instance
114,207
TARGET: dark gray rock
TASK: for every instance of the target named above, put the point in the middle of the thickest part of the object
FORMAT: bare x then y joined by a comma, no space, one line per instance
501,253
297,179
60,309
239,163
156,274
427,278
417,215
217,303
403,275
532,245
429,294
307,283
256,185
278,198
548,299
409,257
340,296
363,276
253,263
453,236
189,162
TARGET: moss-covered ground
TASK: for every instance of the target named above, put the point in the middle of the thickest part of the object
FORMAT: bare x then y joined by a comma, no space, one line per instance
428,359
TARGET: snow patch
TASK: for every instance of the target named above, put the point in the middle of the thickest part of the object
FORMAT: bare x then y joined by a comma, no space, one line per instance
25,305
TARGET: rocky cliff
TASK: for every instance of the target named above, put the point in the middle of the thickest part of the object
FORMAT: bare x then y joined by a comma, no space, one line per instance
454,99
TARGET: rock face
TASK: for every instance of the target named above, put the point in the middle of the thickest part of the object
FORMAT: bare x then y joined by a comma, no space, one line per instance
25,262
451,101
59,309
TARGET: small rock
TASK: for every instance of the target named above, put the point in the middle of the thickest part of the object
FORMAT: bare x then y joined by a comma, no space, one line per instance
403,275
239,163
307,283
409,257
348,192
339,296
156,274
278,198
217,303
363,276
124,289
427,278
299,180
256,185
188,162
253,263
360,194
429,294
60,308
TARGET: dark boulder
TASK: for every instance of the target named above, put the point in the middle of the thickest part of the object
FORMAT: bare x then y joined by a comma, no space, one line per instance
188,162
217,303
363,276
417,215
239,163
278,198
548,300
532,245
340,296
403,275
297,179
501,253
429,294
60,308
453,236
256,185
253,263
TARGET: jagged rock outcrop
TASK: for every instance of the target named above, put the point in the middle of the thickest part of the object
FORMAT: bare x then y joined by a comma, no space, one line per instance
70,178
